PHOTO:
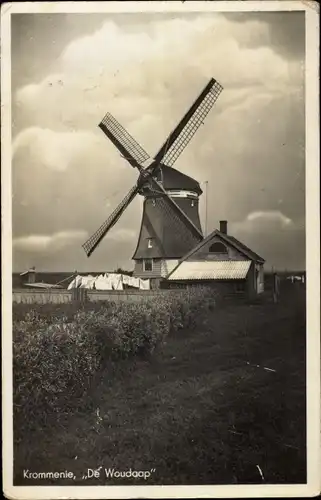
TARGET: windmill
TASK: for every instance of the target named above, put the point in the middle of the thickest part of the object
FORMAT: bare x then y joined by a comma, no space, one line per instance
170,224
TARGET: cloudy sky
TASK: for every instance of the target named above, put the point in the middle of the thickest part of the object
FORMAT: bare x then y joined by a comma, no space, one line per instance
68,70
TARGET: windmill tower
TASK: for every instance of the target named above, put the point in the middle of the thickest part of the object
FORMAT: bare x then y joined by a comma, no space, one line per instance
170,224
163,237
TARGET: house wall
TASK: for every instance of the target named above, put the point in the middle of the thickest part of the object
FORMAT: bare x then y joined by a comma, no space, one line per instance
224,289
161,268
255,279
260,278
140,273
167,265
251,281
249,287
31,278
204,253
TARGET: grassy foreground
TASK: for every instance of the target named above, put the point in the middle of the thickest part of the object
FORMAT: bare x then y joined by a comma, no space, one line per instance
219,404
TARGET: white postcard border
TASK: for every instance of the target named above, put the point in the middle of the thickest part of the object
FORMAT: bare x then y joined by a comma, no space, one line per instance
312,487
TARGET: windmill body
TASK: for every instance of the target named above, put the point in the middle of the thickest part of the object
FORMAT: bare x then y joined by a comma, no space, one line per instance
170,224
161,242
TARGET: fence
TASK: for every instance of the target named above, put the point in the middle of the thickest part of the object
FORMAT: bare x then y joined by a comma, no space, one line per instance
63,296
41,296
54,296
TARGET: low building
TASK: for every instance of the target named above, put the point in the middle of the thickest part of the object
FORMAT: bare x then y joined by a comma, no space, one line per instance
28,276
224,263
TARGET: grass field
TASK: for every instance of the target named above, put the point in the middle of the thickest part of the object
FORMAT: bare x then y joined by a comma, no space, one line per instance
221,404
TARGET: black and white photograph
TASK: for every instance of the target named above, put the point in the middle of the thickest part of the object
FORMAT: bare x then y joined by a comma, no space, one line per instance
160,228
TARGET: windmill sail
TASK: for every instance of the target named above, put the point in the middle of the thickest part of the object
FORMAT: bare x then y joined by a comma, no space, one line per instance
184,227
183,133
123,141
90,245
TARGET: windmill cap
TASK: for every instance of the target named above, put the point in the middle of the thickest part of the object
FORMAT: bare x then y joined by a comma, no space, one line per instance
173,179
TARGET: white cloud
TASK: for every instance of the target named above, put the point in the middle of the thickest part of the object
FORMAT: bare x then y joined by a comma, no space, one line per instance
270,216
147,78
121,235
55,150
44,243
267,222
112,47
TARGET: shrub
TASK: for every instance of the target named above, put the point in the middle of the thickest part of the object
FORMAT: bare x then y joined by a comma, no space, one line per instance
126,329
58,349
186,307
51,364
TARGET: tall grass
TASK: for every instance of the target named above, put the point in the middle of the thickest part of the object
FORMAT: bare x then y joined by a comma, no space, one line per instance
59,349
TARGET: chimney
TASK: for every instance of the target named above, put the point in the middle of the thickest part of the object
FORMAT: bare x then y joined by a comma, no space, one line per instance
223,226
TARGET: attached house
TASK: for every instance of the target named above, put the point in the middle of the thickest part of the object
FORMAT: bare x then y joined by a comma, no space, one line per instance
222,261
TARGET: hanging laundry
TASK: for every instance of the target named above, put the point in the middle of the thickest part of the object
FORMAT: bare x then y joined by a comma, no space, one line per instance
119,282
87,282
134,282
126,279
75,283
103,283
144,284
115,279
72,284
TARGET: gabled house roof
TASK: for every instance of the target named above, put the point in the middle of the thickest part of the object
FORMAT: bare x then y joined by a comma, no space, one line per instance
230,240
242,248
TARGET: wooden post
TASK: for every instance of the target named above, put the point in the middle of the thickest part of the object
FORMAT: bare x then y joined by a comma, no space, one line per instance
206,201
276,288
79,295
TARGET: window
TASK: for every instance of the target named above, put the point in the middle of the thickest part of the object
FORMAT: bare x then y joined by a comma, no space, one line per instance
149,243
148,264
192,203
218,248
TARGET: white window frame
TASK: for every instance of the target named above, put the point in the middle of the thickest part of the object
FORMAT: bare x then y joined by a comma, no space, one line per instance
149,242
144,265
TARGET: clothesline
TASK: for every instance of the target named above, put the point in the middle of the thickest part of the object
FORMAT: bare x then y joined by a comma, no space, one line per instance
109,281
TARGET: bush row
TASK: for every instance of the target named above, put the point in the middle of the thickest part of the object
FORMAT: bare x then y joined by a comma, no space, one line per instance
58,350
